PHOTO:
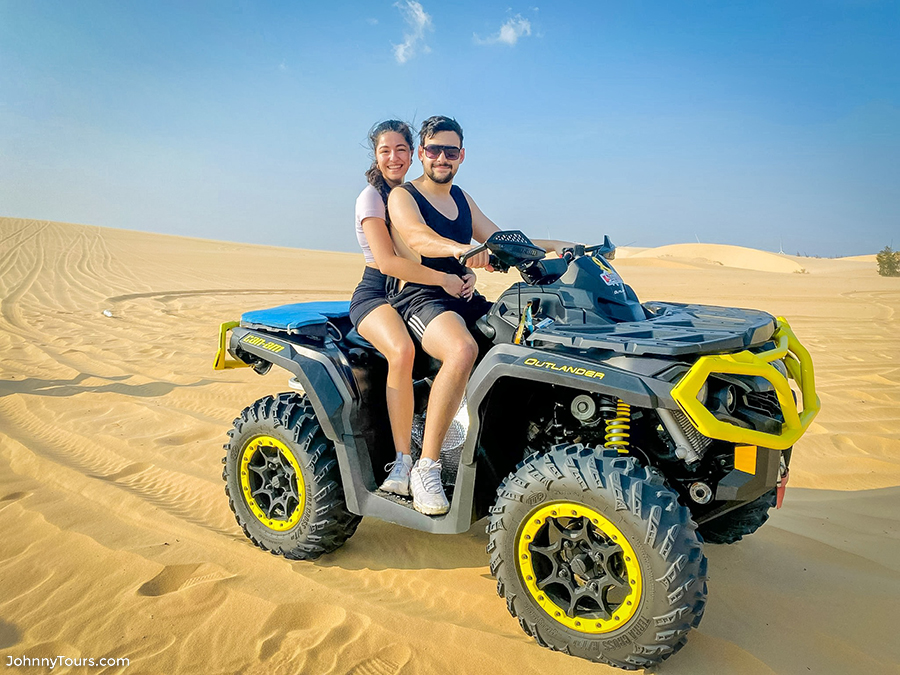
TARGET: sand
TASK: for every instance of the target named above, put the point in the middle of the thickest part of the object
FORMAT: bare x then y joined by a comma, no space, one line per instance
117,539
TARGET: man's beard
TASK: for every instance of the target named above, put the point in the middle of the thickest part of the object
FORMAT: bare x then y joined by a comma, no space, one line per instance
440,180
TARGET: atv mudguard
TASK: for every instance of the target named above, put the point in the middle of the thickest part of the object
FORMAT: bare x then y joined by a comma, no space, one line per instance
320,379
532,365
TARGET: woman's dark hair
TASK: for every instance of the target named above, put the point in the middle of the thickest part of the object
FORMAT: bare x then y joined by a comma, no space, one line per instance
373,174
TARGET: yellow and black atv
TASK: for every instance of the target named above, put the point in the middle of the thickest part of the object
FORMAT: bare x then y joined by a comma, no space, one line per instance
603,440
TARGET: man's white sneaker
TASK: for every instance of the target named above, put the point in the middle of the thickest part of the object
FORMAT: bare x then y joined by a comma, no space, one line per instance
398,480
425,484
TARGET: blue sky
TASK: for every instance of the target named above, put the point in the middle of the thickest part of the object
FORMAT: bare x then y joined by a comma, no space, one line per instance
751,123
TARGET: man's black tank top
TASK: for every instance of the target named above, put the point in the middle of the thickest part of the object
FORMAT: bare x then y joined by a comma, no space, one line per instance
459,230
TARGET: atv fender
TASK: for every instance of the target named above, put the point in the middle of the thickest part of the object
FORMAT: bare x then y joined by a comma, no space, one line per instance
533,365
321,380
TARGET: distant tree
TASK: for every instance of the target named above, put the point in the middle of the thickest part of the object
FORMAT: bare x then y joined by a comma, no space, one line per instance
888,262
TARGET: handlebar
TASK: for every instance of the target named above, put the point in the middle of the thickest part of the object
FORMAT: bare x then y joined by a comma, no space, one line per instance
511,248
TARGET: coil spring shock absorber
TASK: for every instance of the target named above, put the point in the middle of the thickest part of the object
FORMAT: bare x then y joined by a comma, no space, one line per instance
618,425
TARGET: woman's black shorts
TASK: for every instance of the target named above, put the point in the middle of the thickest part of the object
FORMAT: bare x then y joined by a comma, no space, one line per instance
369,294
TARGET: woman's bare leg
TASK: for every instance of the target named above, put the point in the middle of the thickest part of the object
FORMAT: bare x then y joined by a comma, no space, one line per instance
387,332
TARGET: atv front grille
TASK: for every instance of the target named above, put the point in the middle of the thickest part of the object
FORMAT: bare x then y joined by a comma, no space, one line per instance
765,402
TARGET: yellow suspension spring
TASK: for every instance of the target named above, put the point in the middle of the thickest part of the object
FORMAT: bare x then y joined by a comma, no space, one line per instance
619,427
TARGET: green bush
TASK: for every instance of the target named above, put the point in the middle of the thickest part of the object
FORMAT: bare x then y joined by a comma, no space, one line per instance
888,262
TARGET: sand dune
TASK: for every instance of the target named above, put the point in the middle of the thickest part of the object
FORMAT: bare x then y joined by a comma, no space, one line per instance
117,539
724,255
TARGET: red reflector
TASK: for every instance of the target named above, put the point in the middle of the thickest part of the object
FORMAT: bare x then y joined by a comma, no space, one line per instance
779,492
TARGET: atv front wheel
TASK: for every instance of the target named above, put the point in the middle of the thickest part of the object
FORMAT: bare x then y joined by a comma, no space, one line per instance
595,557
282,480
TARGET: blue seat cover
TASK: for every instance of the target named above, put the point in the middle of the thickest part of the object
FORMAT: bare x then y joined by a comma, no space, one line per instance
291,318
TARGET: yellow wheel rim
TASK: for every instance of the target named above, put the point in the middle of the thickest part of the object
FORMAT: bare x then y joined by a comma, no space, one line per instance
272,483
579,567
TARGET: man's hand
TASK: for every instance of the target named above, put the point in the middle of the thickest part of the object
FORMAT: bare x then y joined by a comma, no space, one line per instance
477,261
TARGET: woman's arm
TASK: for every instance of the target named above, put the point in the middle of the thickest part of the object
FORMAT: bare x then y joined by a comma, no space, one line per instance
392,265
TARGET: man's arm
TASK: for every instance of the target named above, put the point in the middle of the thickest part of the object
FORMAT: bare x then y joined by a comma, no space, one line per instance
405,217
553,245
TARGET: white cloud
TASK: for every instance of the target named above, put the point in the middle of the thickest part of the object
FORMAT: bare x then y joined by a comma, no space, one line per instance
282,67
418,21
509,32
372,22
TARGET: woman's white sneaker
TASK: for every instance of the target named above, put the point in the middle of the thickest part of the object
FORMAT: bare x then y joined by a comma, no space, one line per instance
398,480
427,491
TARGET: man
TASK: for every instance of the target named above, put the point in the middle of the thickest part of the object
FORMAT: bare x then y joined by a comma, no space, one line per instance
428,206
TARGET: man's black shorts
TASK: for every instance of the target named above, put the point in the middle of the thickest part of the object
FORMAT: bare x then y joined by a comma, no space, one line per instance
419,305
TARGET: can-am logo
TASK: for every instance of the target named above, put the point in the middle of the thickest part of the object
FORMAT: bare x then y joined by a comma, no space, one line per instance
261,342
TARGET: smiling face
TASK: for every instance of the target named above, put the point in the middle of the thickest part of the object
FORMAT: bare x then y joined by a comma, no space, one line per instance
442,170
393,156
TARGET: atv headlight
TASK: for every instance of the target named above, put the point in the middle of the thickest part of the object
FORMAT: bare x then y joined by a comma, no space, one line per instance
703,393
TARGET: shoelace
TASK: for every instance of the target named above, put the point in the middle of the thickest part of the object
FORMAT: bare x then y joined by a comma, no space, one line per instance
392,466
431,479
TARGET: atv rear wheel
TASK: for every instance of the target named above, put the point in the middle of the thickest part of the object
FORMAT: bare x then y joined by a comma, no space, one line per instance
282,480
736,524
595,557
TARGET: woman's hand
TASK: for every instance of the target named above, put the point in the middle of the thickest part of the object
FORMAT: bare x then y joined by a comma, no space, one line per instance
468,285
454,285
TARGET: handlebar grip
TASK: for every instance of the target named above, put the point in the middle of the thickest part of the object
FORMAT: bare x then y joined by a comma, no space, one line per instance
471,252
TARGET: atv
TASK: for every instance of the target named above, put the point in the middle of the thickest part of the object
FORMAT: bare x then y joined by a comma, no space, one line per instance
603,440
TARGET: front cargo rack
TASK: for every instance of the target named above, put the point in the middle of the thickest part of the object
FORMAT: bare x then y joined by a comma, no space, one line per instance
672,329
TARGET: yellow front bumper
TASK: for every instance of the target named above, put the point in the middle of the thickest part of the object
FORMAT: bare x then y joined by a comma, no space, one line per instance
800,369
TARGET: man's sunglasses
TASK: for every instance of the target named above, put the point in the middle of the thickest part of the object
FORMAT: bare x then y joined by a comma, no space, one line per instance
451,152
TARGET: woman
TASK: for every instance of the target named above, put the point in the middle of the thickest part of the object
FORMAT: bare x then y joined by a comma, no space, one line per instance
373,317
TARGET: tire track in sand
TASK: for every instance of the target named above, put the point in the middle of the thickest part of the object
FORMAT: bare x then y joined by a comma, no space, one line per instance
9,306
165,296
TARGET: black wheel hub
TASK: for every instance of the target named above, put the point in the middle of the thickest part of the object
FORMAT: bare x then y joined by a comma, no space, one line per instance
580,569
273,483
